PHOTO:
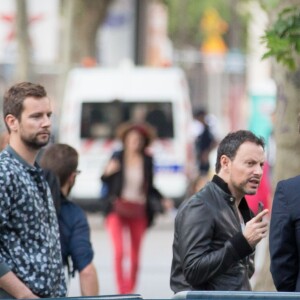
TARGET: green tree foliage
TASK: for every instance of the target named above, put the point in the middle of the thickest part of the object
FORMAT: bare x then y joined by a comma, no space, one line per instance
282,38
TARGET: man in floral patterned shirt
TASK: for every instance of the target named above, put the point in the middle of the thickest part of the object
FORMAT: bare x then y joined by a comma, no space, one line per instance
30,256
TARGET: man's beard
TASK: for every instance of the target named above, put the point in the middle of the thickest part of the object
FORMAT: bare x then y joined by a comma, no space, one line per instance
34,142
248,191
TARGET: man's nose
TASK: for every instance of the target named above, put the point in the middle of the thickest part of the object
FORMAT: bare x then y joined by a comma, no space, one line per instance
46,121
259,170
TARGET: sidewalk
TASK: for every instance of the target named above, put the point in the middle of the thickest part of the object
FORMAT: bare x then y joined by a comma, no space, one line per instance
156,257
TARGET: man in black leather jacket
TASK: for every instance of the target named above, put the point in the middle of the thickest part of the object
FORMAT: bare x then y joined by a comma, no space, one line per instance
215,231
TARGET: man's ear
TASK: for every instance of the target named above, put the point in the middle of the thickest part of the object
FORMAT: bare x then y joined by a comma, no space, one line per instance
71,178
12,122
225,162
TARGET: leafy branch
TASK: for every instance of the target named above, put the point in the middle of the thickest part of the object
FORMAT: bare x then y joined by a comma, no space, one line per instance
282,39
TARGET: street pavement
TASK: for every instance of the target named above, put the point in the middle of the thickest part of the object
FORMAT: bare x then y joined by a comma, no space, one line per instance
156,257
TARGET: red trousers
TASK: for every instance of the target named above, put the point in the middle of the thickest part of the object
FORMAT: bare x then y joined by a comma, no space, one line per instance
126,233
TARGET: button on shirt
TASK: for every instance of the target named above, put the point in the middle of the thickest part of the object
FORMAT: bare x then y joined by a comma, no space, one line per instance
29,239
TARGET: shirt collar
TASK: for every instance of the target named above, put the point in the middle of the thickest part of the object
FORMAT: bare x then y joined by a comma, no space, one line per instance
13,153
243,206
221,183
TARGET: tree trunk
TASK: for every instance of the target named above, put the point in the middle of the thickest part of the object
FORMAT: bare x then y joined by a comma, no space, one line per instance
287,109
89,15
235,32
286,125
81,20
68,12
23,45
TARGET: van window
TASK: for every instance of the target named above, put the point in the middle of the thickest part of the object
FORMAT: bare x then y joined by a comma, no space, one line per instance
100,119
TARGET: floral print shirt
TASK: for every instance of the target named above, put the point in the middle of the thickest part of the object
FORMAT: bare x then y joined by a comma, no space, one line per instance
29,235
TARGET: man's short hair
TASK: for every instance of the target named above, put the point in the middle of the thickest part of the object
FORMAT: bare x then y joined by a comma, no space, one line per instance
231,143
14,98
61,159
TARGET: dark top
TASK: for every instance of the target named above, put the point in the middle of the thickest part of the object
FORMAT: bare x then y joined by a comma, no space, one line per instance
205,140
114,184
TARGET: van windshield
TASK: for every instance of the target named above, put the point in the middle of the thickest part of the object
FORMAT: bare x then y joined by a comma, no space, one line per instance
99,120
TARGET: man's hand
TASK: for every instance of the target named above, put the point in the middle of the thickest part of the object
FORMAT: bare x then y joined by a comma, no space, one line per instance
15,287
256,229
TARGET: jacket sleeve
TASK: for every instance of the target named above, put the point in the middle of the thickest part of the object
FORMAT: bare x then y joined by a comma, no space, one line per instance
148,169
251,264
283,247
195,227
80,248
110,178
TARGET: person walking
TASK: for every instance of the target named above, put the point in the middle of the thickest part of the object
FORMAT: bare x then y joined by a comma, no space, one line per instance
61,160
30,255
132,200
205,143
215,232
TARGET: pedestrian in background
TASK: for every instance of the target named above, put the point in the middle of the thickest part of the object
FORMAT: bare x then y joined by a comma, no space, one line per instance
205,142
215,231
62,161
132,200
30,254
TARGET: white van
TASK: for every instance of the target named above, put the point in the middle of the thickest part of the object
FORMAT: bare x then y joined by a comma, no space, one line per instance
97,100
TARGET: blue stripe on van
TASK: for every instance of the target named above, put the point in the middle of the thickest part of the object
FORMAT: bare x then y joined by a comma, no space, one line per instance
168,168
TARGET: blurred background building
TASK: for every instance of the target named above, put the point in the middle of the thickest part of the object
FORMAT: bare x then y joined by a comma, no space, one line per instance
216,43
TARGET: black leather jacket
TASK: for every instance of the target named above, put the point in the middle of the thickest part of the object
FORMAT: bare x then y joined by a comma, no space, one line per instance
209,249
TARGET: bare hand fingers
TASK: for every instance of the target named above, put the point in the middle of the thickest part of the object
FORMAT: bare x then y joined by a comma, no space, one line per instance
260,215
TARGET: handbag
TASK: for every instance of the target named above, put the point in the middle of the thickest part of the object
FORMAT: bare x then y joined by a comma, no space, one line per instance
129,209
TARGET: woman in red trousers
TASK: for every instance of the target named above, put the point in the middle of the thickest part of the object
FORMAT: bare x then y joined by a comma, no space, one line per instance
132,201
